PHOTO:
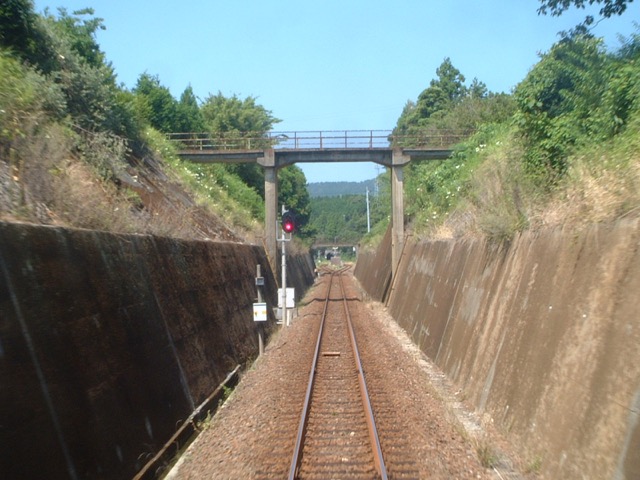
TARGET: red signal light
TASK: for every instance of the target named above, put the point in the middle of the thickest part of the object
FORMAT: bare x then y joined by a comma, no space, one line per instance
288,222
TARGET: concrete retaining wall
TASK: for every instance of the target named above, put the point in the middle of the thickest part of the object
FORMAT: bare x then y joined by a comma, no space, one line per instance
107,342
542,334
373,269
300,272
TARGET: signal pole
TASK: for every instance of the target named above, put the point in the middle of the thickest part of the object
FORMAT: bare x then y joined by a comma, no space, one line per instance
283,294
283,291
259,286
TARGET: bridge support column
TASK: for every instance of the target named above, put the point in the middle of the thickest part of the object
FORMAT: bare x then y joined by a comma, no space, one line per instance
270,205
397,208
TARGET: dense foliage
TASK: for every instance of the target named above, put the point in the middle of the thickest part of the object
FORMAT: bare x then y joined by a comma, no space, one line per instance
449,105
335,189
608,9
54,71
578,93
567,130
343,219
236,118
528,153
557,100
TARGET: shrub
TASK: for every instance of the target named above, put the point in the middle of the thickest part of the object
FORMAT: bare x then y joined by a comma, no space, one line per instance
212,184
556,102
25,97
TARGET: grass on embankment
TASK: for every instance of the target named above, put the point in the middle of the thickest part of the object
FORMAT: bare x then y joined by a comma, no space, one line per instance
484,189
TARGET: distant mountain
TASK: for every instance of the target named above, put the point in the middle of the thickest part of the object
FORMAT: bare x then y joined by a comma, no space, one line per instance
335,189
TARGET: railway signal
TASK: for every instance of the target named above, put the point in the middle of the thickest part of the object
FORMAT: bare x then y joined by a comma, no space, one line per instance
288,222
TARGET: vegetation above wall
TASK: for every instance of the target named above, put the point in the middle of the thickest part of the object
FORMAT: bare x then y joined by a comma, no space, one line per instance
78,149
563,149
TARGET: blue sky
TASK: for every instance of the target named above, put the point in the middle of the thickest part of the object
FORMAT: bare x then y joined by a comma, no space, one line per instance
330,65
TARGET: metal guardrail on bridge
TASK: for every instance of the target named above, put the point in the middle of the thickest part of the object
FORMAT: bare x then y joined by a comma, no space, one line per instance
313,140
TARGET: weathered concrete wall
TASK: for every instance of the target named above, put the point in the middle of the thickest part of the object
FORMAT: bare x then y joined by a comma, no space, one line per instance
107,342
542,334
300,267
373,269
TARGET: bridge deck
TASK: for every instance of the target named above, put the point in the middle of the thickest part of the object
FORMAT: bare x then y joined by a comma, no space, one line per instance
377,146
284,157
275,150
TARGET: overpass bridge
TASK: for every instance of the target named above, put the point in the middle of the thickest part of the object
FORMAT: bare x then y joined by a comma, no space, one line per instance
324,244
275,150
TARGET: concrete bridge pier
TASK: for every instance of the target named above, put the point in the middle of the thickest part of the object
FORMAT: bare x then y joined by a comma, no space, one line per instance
328,148
268,162
398,161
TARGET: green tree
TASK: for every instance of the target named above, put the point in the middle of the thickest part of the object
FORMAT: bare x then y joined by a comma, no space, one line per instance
155,103
65,49
450,80
240,124
79,30
478,89
621,98
472,112
408,118
557,100
446,105
293,193
442,92
609,8
432,100
77,65
18,27
343,218
558,7
24,33
123,119
188,115
231,114
26,98
441,95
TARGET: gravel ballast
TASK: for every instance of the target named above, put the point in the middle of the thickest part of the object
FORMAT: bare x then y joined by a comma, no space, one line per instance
252,435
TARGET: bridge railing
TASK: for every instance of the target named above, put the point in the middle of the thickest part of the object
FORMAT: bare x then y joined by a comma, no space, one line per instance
334,139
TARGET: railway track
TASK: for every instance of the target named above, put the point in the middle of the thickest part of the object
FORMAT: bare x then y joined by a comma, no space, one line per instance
256,434
337,435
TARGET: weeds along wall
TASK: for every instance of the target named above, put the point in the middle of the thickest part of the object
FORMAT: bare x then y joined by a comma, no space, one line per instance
108,342
542,336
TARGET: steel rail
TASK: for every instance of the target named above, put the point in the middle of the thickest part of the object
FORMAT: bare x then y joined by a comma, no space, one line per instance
364,393
187,430
302,428
371,426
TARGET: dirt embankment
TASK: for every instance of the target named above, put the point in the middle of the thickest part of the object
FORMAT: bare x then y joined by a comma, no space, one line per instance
107,342
542,335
